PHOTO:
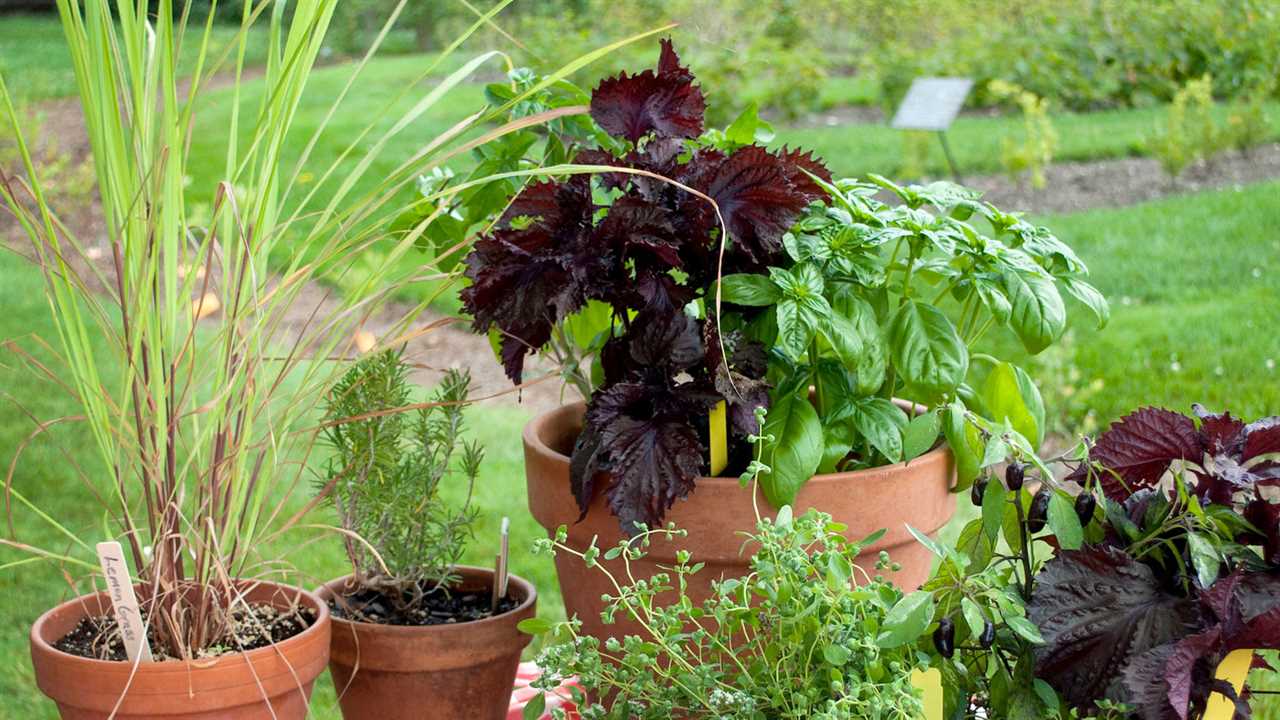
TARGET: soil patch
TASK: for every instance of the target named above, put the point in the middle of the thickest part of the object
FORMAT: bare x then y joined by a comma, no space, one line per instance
251,628
438,607
1120,182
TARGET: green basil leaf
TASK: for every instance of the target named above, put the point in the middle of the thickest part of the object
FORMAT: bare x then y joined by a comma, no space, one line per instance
796,451
920,435
748,128
836,445
927,350
749,289
794,331
881,423
1090,296
1003,398
1038,315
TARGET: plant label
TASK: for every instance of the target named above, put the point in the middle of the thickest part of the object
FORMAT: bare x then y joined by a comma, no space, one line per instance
1234,669
719,439
932,103
124,603
929,683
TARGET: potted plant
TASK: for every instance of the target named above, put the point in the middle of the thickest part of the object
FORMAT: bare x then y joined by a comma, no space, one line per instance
1126,584
415,634
197,370
697,267
792,640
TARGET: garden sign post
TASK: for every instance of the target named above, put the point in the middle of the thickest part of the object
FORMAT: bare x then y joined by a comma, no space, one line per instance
932,104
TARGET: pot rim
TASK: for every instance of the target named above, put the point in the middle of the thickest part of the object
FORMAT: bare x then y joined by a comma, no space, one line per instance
533,440
185,667
325,591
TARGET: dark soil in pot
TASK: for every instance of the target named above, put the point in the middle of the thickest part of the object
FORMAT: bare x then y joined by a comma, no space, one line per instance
438,606
98,637
460,669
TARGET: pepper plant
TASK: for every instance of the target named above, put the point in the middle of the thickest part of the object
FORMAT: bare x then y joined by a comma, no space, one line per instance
873,301
1117,591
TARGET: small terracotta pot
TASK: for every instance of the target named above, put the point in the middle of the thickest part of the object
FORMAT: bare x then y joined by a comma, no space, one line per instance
462,670
719,510
270,682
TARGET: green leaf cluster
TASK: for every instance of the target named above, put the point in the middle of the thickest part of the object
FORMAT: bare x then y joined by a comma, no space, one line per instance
876,302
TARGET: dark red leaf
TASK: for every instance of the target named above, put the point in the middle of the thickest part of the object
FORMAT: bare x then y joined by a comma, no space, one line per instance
525,278
665,103
799,166
1221,433
642,232
757,197
1262,437
669,62
647,451
1141,446
1099,609
1265,515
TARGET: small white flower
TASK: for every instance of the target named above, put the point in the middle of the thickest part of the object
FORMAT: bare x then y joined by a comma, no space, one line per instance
1271,364
1175,366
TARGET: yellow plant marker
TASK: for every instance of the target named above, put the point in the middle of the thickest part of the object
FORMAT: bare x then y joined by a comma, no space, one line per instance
1235,670
929,683
719,439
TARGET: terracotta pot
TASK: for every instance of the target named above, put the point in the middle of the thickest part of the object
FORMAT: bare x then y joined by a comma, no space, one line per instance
463,670
719,510
270,682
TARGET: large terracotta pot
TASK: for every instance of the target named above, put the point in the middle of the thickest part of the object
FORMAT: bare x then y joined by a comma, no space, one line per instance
719,510
463,670
270,682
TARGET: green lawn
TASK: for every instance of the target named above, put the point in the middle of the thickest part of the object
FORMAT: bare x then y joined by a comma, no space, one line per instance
1194,293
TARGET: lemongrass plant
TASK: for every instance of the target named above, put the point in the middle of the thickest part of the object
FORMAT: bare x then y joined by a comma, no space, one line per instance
207,426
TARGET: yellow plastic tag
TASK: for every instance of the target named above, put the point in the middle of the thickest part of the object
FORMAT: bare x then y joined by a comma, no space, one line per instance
719,439
929,683
1235,670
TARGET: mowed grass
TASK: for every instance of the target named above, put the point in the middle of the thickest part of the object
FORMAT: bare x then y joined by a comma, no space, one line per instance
1195,298
46,475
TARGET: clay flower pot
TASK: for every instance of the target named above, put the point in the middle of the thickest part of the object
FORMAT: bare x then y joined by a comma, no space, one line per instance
719,510
270,682
462,670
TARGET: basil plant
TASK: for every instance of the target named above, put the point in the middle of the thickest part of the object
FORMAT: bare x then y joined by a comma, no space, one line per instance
875,302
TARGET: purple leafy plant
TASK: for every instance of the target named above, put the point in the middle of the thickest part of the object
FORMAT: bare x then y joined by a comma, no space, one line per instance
1187,570
638,241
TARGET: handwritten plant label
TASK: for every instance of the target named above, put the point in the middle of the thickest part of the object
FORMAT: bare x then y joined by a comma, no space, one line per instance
124,603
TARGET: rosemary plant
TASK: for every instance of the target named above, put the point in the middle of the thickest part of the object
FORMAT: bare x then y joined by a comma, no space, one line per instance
384,477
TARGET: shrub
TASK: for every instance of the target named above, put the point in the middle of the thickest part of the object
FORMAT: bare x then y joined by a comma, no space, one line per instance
1190,132
1033,150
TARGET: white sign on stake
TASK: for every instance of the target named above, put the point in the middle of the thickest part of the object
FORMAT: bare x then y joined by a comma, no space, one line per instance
124,603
